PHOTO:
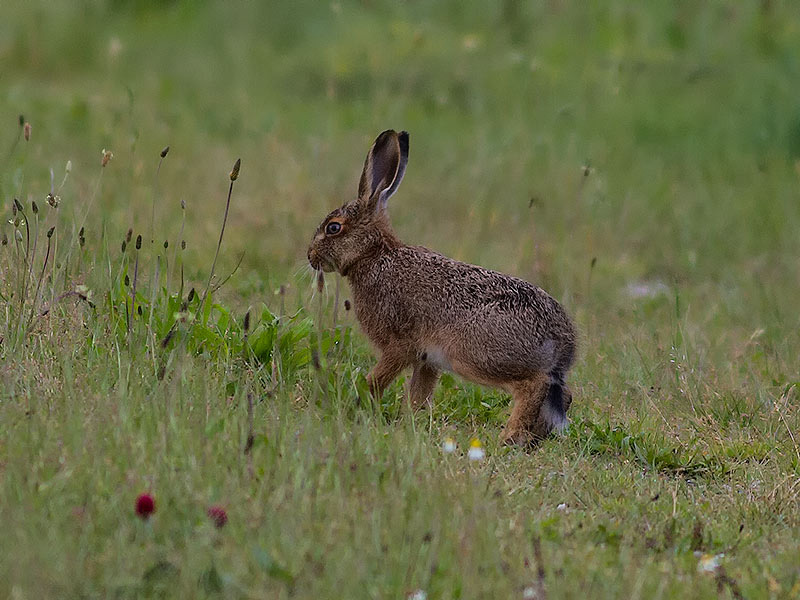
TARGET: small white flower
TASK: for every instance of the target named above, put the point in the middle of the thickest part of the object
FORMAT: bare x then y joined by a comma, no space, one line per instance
470,42
449,445
114,47
562,507
476,450
418,595
647,290
528,593
709,563
84,291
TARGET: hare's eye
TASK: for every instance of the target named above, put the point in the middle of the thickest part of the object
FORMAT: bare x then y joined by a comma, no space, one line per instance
333,228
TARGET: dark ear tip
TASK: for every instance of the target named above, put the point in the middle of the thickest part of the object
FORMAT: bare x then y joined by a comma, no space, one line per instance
402,137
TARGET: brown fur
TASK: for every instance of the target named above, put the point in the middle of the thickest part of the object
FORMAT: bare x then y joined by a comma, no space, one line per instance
429,312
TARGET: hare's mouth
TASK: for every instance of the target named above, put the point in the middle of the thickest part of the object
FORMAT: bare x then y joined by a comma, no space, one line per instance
320,263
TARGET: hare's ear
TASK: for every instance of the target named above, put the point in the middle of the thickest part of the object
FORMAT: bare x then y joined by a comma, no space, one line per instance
383,169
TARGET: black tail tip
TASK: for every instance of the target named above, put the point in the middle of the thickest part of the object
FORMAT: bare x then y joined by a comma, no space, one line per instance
553,409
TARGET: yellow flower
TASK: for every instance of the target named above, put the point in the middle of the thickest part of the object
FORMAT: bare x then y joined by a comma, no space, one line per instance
476,450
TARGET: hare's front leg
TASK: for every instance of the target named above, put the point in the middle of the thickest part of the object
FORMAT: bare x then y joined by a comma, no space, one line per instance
422,383
382,374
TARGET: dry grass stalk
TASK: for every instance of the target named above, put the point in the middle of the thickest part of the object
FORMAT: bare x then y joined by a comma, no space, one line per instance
234,175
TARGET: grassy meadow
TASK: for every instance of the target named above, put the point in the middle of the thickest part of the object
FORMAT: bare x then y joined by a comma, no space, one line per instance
640,161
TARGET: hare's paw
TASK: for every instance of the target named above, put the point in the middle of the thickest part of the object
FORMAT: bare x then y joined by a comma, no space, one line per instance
519,437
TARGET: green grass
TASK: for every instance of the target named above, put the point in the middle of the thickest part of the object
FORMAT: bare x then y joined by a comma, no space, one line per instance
639,161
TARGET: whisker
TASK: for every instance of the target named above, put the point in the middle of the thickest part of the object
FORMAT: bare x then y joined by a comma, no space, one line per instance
313,284
303,270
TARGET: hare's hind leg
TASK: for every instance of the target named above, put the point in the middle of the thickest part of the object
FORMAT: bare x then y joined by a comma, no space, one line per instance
526,425
422,383
540,406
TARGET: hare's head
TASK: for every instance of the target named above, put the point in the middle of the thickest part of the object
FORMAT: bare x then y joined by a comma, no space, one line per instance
358,228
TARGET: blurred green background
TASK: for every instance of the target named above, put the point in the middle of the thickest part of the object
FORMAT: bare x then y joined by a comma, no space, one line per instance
640,161
688,116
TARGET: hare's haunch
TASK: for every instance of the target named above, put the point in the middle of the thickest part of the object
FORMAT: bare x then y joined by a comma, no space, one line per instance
433,313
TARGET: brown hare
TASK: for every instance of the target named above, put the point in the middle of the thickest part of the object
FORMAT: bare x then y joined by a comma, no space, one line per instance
433,313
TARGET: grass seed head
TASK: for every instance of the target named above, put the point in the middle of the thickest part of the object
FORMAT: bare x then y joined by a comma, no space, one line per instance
21,120
26,131
50,232
168,338
107,156
17,206
247,321
315,359
124,246
166,244
139,242
52,200
235,171
34,207
347,304
129,235
5,239
165,151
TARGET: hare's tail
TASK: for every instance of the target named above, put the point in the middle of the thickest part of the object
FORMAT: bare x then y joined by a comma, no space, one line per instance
553,410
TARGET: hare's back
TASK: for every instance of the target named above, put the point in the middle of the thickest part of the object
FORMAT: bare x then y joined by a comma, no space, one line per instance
489,322
469,287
